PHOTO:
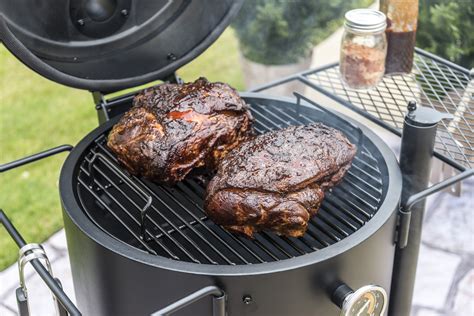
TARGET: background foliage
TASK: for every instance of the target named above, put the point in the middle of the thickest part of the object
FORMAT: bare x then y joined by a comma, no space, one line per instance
446,28
275,32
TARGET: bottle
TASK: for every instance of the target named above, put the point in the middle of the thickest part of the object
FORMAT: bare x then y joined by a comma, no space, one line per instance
402,19
363,48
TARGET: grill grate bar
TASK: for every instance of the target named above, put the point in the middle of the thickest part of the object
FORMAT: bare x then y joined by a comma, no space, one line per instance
334,202
139,191
203,224
338,214
323,229
231,236
131,201
325,217
366,174
274,243
100,144
348,201
105,190
180,227
168,221
367,156
354,185
131,231
203,212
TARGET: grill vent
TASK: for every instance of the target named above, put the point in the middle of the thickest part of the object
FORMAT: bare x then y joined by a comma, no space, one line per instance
176,226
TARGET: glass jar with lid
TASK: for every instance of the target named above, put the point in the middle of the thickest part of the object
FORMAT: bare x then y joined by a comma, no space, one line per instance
363,48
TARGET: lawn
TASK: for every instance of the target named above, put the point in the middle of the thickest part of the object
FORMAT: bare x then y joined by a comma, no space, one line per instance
37,114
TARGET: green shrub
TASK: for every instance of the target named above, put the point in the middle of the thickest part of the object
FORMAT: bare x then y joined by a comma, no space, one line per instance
446,28
275,32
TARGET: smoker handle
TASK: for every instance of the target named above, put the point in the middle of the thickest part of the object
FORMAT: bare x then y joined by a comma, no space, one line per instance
218,301
35,157
405,210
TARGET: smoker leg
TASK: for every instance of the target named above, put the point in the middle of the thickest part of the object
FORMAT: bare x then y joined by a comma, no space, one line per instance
418,138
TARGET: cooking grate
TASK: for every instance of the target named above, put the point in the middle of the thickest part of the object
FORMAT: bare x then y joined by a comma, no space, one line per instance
433,82
176,226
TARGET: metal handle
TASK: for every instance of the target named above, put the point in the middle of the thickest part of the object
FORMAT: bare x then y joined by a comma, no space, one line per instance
35,157
28,253
405,210
218,301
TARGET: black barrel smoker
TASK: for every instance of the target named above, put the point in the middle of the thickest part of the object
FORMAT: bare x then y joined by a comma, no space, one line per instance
360,250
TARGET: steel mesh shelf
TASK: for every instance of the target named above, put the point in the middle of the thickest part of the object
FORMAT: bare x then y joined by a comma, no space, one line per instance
434,82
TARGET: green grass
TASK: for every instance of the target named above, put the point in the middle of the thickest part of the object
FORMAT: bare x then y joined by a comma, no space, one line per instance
36,114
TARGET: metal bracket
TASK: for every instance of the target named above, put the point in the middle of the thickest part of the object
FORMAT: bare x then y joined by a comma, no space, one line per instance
101,106
405,210
143,213
218,301
173,78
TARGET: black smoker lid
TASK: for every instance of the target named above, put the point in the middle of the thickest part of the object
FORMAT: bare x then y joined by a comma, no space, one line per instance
108,45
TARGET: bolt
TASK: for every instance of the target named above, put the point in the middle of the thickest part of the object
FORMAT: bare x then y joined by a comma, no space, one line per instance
81,22
247,299
411,106
124,12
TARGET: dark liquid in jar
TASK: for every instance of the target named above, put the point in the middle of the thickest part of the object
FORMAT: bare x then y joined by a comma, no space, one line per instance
400,51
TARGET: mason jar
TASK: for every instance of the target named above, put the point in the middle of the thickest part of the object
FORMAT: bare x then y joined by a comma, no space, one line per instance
363,48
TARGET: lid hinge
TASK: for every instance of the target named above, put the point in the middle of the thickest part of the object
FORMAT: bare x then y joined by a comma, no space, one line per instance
101,106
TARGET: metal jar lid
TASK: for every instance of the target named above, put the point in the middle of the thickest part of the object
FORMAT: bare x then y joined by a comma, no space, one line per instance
365,21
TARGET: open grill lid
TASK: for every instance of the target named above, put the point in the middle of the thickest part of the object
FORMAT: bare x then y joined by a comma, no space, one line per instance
108,45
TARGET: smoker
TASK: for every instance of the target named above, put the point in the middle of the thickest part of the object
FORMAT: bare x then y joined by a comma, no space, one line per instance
139,248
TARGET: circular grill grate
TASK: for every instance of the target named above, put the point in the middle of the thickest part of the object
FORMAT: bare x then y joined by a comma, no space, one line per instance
176,226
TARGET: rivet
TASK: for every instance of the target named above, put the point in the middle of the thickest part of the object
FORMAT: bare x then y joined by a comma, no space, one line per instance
81,22
247,299
171,56
124,12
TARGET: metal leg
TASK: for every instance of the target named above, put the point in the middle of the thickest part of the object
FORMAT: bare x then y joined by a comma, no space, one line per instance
418,138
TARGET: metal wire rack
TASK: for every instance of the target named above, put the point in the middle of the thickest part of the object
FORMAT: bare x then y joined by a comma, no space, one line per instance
434,82
171,222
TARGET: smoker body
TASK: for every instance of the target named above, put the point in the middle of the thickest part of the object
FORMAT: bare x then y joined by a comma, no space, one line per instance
114,278
107,283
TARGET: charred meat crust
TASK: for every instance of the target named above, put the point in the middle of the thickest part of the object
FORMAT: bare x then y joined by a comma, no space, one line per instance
276,181
175,128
